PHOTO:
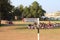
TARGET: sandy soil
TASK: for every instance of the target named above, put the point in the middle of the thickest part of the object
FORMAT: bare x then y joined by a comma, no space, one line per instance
10,33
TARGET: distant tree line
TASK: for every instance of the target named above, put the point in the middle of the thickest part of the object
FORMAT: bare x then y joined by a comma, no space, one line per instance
8,12
33,11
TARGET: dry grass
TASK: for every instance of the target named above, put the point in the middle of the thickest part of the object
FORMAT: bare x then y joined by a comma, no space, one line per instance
21,22
50,34
11,33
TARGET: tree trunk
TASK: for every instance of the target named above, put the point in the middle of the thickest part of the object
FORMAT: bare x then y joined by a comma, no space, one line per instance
0,22
0,18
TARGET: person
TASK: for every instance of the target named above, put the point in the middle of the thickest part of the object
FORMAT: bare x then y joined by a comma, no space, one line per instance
35,25
30,26
10,22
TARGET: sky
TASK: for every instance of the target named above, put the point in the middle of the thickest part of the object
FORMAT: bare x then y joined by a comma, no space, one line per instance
48,5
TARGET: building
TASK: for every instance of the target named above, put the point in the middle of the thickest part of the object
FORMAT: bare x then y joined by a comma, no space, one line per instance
54,15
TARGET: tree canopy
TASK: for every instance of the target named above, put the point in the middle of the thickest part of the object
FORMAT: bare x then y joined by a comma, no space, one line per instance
34,10
5,8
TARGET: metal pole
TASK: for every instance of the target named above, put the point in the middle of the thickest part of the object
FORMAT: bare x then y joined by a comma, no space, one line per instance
38,29
38,33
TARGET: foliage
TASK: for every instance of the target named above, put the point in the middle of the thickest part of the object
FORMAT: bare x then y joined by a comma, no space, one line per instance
33,11
5,8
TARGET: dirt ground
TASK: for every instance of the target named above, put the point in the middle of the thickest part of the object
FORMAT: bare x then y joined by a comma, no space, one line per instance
11,33
50,34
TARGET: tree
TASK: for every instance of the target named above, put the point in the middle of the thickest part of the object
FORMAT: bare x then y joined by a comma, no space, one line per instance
36,10
26,12
21,11
21,8
33,11
5,8
17,13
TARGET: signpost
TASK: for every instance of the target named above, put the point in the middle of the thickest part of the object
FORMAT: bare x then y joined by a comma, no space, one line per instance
38,28
38,33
